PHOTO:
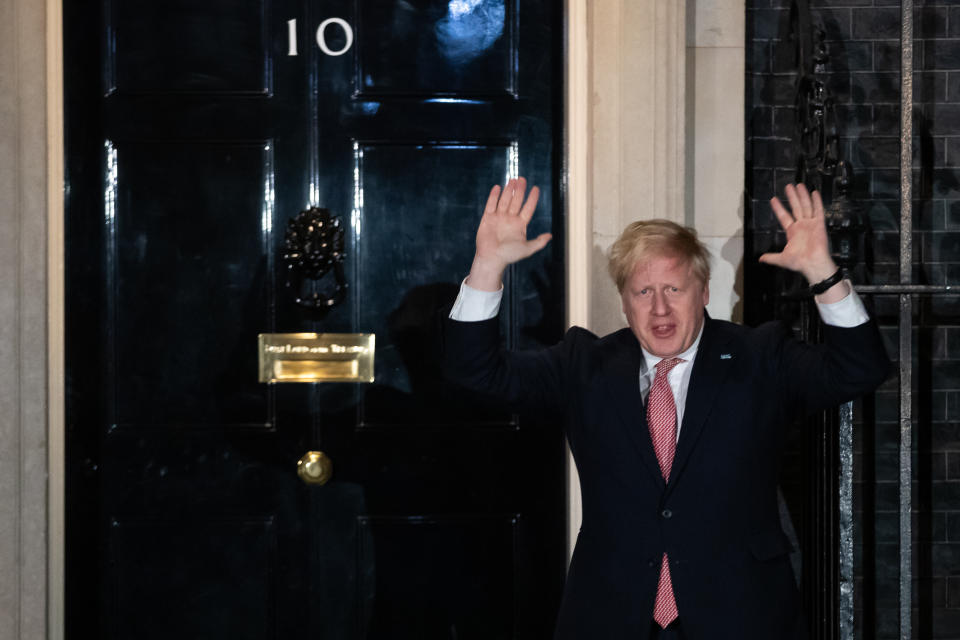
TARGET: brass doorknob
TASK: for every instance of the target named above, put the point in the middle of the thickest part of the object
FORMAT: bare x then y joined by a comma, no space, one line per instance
315,467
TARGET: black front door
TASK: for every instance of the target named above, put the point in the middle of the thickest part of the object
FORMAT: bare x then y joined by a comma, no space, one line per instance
195,132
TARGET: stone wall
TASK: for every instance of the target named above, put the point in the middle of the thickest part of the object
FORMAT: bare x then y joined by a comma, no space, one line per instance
863,43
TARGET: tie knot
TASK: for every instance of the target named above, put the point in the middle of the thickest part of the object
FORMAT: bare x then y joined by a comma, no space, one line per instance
666,365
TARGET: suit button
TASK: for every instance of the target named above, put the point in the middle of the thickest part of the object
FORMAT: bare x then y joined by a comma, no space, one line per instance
651,564
666,513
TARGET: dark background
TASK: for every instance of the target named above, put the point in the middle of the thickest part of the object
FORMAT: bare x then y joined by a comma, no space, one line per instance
864,80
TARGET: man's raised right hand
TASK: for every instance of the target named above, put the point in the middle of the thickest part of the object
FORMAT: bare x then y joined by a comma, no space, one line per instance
502,234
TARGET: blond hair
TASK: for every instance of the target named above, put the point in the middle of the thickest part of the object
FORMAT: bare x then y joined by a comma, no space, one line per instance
646,239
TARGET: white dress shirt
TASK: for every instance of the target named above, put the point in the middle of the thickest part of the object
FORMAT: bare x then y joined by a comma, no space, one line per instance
473,305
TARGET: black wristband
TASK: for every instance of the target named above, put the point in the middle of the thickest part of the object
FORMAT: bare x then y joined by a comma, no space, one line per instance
823,285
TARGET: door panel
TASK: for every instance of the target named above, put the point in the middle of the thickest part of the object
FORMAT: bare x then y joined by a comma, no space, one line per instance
180,592
220,46
193,137
401,258
444,550
187,259
462,49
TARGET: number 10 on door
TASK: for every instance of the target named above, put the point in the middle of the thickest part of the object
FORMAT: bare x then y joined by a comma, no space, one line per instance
321,36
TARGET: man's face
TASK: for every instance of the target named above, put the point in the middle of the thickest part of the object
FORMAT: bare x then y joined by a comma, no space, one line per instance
664,301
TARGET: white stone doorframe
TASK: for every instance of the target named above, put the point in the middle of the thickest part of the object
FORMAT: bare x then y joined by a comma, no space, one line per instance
31,312
654,127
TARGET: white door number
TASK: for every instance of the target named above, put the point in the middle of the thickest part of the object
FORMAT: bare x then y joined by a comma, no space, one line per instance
321,36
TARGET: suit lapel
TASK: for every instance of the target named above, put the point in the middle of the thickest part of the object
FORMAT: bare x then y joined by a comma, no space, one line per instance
622,382
711,366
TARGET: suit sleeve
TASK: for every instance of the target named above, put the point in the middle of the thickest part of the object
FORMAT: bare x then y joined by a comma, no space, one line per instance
851,361
474,358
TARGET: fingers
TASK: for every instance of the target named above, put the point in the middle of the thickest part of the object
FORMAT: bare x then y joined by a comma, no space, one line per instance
806,204
804,207
492,200
772,258
803,204
510,201
503,205
796,205
512,197
538,243
818,210
530,205
783,216
516,200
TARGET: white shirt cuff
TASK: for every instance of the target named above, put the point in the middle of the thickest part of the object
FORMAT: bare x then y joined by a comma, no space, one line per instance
474,305
848,312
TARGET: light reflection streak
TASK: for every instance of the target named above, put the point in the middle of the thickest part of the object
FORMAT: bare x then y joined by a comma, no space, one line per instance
513,161
453,101
470,28
460,8
355,215
269,196
472,147
110,189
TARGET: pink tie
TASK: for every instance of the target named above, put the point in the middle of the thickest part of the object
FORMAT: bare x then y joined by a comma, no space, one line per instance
662,420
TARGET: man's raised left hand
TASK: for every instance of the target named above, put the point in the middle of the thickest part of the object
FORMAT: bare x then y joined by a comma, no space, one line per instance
808,247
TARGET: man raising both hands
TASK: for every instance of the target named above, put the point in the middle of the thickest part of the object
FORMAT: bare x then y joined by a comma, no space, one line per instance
676,423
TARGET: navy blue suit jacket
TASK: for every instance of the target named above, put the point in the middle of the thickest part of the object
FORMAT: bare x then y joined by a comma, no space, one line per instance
717,517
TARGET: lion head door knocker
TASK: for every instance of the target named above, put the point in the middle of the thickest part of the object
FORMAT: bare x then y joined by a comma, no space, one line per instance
313,255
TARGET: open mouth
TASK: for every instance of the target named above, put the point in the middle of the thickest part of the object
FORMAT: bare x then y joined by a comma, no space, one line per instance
663,330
